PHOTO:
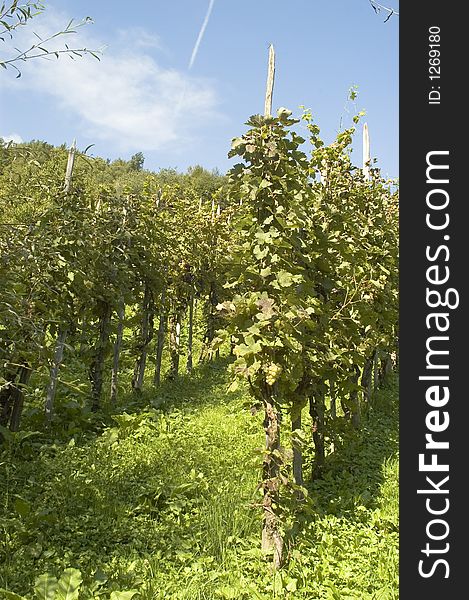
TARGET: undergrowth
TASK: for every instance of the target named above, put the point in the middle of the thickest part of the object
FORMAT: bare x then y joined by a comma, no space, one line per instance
159,500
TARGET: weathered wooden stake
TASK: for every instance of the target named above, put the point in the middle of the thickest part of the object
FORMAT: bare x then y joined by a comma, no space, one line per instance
54,373
333,400
160,340
18,397
62,333
367,379
366,152
96,371
117,350
158,198
355,400
190,332
272,540
270,83
297,452
146,335
175,340
70,164
316,411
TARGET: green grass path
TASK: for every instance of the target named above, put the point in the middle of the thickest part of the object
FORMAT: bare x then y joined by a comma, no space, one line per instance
160,501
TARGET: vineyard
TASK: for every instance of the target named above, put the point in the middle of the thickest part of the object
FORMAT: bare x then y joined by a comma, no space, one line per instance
197,397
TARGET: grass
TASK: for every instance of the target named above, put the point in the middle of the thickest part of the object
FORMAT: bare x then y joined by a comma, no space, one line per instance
158,499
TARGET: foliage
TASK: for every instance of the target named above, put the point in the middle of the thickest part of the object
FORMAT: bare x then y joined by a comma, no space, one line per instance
76,257
136,162
160,502
67,587
318,260
15,15
154,486
316,280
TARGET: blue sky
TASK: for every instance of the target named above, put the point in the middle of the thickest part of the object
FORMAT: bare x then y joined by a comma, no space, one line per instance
142,95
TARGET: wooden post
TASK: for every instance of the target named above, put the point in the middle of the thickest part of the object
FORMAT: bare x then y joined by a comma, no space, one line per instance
316,411
190,332
96,371
70,164
62,333
175,339
366,152
333,400
270,83
146,335
83,338
297,452
158,198
160,340
54,373
333,405
366,379
18,397
272,540
355,399
376,358
117,349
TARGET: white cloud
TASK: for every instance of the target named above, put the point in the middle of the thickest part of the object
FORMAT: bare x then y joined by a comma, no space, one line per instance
126,98
12,137
140,38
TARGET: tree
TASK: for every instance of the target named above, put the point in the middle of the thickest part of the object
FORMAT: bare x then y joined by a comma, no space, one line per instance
14,16
136,161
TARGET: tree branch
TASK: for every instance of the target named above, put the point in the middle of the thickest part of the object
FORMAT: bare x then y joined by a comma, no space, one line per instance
15,16
379,7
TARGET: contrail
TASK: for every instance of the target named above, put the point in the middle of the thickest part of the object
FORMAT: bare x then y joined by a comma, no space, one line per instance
201,34
179,103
